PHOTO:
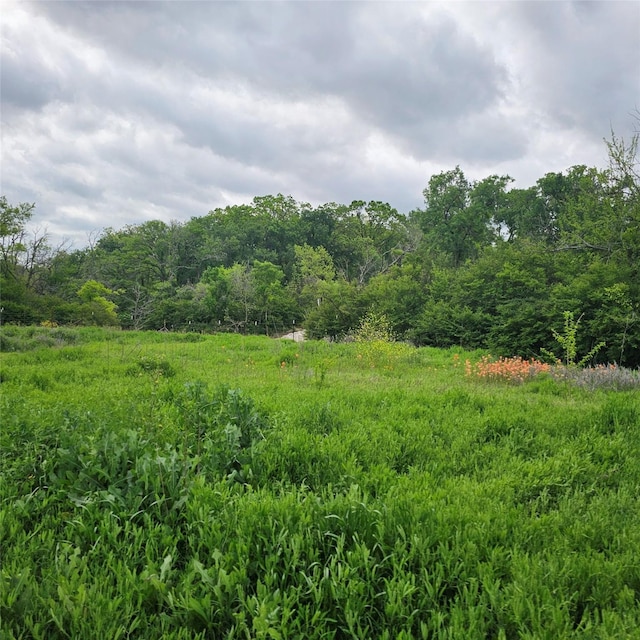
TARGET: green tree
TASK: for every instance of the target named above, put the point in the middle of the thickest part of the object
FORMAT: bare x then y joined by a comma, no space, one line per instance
13,232
97,308
241,301
456,219
522,217
25,259
217,283
337,311
488,204
312,265
399,294
619,320
312,268
273,300
368,238
624,189
318,225
145,254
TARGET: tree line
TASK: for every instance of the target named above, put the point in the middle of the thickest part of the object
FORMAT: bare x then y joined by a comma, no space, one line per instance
480,265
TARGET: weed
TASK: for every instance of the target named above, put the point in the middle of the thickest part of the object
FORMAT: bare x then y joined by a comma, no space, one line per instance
320,372
223,429
568,342
376,342
374,327
31,338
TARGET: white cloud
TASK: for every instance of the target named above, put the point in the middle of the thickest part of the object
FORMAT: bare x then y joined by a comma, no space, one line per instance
118,112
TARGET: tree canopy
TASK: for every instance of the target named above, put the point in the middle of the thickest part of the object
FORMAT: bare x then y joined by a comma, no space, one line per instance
481,264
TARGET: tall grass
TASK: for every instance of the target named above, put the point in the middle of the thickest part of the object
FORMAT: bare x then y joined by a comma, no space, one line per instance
153,486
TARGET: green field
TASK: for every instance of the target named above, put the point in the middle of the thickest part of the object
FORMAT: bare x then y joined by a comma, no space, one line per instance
166,485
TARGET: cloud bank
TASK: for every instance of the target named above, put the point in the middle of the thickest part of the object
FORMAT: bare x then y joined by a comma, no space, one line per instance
114,113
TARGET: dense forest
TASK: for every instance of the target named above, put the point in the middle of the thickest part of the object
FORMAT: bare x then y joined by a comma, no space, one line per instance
480,265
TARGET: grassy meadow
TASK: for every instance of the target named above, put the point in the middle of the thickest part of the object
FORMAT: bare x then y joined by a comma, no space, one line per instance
159,485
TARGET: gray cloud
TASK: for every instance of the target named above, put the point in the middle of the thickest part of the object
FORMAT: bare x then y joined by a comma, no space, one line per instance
117,112
395,70
24,86
585,69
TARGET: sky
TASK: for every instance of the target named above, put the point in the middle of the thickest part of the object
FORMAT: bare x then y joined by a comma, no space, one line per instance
116,113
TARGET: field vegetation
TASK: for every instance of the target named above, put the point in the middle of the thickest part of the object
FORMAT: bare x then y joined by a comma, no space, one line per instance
181,485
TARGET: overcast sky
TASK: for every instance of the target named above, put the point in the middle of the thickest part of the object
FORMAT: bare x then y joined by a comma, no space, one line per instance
115,113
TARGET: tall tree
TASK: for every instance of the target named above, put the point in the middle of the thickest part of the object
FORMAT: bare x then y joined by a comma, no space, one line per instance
451,226
242,296
13,234
624,174
488,203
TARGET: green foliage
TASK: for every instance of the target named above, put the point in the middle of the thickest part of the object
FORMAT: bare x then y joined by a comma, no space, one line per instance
568,342
14,338
92,290
374,328
377,344
13,243
336,310
404,504
96,308
619,318
224,429
399,295
313,264
458,215
153,366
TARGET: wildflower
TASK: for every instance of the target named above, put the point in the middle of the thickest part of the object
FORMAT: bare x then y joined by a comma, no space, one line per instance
514,369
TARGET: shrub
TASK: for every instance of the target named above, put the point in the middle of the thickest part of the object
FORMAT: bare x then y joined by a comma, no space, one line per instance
568,342
376,342
374,328
10,343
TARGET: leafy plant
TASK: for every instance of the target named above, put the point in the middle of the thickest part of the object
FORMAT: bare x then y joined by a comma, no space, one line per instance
374,327
376,342
223,428
568,342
